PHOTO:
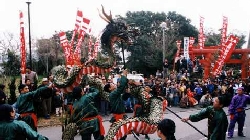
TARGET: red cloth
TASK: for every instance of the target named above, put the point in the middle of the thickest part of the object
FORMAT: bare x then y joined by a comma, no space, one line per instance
118,116
33,116
101,127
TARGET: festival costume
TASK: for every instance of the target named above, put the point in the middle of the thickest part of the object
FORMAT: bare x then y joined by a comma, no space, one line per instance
13,130
116,102
26,109
217,122
91,123
237,113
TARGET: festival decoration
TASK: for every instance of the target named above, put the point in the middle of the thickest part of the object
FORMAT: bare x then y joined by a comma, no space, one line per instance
66,49
224,31
201,38
177,55
225,54
22,47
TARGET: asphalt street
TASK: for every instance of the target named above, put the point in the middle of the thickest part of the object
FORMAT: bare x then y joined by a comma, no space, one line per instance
183,130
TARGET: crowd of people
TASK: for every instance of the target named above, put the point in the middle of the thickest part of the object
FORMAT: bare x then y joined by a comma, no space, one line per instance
177,88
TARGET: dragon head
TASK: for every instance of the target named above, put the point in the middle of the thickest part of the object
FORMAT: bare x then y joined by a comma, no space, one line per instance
115,31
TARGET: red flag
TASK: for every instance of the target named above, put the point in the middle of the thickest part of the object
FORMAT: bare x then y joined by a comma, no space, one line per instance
224,31
66,48
229,47
201,38
77,25
86,25
22,44
77,52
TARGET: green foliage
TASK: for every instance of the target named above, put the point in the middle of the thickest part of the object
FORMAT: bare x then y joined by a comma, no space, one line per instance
146,50
12,65
12,88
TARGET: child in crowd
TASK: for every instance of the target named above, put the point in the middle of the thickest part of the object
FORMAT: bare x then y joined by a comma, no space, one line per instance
58,101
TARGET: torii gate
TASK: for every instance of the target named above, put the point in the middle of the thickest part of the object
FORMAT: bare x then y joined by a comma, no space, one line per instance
208,53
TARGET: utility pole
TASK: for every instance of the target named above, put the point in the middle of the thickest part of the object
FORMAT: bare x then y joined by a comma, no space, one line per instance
29,32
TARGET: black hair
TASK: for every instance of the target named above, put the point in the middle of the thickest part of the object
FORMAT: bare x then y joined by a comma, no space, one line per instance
28,67
224,100
76,94
5,110
167,128
21,86
106,87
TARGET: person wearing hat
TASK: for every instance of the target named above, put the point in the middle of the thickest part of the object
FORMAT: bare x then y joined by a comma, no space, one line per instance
237,112
86,114
217,118
13,129
3,96
166,129
25,105
46,99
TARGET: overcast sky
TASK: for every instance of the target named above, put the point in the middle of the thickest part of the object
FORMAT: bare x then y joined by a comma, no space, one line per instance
48,16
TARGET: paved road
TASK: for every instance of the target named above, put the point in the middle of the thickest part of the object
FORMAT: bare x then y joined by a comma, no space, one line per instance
183,130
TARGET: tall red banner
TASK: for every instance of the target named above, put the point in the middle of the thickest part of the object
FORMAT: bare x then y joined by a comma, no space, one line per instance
225,54
79,18
201,38
96,46
66,48
77,52
191,42
224,31
22,47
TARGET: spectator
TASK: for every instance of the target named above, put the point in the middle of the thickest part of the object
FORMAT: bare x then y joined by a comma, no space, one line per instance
58,101
32,76
166,129
46,99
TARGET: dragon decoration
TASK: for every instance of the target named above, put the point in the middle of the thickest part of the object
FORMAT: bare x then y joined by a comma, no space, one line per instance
152,107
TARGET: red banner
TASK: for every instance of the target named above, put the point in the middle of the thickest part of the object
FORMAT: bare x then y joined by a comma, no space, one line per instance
224,31
66,48
90,49
191,42
177,55
22,44
77,52
225,54
79,18
201,39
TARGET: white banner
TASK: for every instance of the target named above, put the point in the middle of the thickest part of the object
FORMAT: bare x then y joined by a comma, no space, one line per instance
186,47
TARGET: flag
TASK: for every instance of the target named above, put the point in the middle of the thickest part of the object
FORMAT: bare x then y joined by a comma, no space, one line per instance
79,17
66,48
201,37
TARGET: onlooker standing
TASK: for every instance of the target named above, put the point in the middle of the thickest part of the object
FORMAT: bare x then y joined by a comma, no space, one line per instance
32,76
237,112
46,99
165,68
58,101
104,103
